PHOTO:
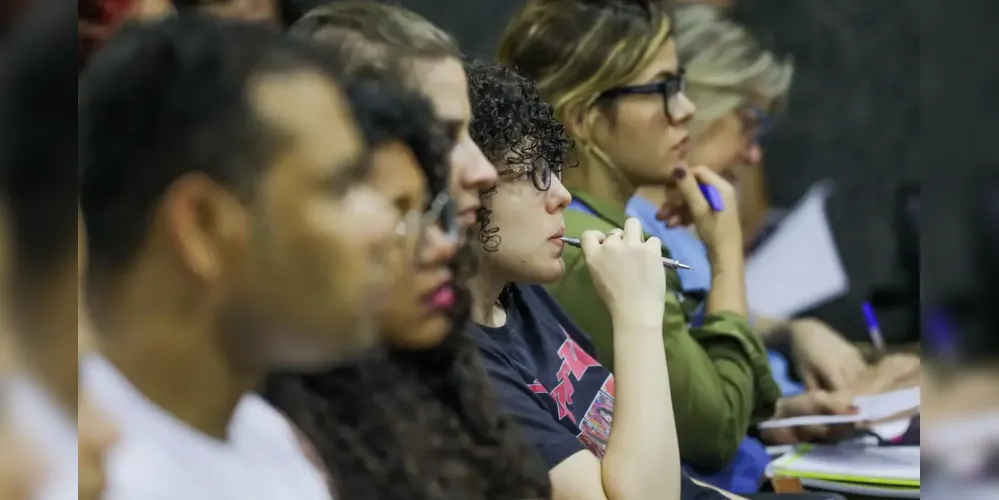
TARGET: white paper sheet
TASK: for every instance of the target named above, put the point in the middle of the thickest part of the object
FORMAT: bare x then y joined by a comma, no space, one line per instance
799,266
869,408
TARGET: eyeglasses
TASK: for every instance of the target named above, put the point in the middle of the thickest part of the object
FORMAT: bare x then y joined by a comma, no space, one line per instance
414,223
540,171
670,89
756,122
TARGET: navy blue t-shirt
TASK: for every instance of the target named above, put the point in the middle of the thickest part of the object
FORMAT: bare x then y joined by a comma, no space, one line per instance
546,373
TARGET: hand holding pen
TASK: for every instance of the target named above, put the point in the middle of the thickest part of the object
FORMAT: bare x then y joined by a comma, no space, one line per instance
626,270
873,327
675,264
703,198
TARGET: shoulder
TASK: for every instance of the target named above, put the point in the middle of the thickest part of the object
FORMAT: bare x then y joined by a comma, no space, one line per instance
577,221
268,436
136,468
267,427
544,305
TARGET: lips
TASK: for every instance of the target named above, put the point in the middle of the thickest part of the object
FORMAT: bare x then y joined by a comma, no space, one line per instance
681,147
467,217
442,298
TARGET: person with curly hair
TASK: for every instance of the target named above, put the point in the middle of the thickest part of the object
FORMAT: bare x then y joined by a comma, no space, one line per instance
541,364
417,420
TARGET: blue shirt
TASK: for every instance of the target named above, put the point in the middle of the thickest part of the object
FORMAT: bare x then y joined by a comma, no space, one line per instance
683,246
545,371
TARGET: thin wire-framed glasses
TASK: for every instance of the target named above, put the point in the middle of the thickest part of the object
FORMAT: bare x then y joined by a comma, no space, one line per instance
539,170
671,88
756,122
416,224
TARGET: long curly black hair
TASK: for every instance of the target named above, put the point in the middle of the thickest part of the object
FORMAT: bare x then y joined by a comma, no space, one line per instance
512,125
412,424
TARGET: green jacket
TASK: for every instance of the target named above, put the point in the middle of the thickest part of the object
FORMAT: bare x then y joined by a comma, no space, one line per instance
719,372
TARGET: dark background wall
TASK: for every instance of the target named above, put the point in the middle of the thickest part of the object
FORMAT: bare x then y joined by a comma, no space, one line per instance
854,116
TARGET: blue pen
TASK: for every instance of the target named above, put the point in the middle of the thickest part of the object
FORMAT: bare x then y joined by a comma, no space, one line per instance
713,196
940,334
873,329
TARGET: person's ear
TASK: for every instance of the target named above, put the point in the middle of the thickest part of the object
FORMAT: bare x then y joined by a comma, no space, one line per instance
204,222
576,123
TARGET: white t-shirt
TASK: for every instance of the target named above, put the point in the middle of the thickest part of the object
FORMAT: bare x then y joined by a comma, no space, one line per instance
51,430
160,458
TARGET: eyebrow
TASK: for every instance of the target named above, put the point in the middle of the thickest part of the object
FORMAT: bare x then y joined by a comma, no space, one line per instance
355,171
662,75
452,127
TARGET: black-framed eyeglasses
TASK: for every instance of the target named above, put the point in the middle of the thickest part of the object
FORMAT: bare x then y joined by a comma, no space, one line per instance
539,170
440,213
756,121
671,89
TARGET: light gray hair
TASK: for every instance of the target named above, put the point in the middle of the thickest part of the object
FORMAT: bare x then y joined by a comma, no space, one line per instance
726,67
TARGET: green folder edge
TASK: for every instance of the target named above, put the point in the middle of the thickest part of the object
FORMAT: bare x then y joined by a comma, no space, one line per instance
859,480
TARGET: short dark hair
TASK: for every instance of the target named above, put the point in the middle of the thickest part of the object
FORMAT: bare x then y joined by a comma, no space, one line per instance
38,130
164,99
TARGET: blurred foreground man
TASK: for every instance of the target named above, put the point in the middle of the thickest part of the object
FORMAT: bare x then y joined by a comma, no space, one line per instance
39,190
228,233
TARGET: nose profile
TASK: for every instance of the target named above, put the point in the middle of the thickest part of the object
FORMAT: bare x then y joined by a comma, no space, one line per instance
753,155
475,171
558,196
684,109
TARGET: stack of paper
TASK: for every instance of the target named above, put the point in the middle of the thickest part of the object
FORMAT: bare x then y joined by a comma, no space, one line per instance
887,472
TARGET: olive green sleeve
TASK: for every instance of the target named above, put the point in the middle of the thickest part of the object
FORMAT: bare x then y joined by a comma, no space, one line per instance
719,372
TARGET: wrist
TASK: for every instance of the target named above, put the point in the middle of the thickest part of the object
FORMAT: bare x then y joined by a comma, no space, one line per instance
724,257
779,409
639,320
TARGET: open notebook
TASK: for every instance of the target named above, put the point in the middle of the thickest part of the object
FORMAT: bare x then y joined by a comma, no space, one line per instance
893,469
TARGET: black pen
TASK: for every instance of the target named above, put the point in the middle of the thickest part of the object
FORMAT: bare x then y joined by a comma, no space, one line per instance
675,264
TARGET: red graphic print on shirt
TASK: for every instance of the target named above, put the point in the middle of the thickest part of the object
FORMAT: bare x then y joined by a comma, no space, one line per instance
594,427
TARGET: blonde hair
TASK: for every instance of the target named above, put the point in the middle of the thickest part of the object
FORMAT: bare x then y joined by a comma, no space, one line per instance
575,50
725,65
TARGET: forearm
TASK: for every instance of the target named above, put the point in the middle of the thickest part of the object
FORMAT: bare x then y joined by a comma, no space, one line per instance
642,458
716,396
728,282
722,380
